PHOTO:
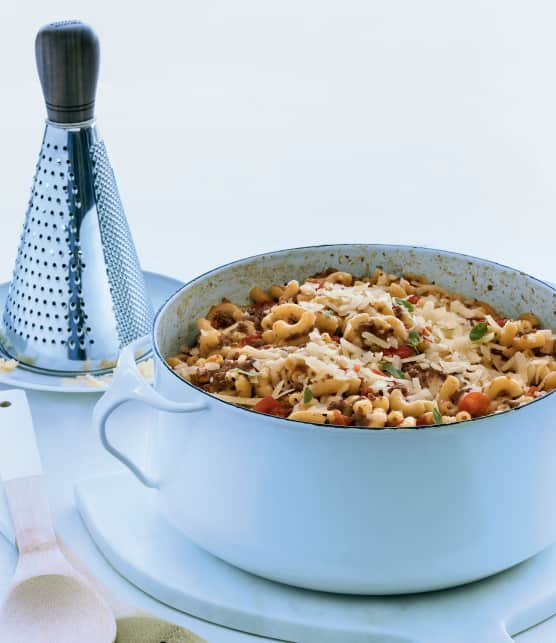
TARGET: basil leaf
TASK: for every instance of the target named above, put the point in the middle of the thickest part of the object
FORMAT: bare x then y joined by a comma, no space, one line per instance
478,331
307,395
436,416
404,303
390,368
413,340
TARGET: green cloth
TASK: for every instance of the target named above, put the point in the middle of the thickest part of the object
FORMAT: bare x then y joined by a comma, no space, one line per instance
144,629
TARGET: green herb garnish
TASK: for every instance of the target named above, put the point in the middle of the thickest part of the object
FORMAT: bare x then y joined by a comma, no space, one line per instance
478,331
404,303
248,373
395,372
307,395
413,340
328,313
436,416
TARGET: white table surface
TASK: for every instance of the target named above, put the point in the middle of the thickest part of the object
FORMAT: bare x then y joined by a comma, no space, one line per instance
236,128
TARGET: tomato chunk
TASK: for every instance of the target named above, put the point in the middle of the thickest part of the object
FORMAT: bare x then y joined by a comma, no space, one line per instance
413,299
319,282
340,419
402,351
501,321
422,421
250,339
475,403
270,406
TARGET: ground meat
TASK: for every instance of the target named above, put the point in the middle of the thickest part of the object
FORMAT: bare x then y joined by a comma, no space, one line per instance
360,419
202,376
215,381
324,273
463,391
222,319
256,313
371,327
245,365
335,405
423,373
415,371
345,408
254,340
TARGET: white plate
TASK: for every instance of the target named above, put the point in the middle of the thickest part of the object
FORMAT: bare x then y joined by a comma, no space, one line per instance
159,288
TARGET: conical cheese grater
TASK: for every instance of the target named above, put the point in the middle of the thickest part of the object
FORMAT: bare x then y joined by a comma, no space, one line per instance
77,294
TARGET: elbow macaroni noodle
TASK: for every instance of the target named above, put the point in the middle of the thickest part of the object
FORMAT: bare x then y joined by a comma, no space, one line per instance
378,351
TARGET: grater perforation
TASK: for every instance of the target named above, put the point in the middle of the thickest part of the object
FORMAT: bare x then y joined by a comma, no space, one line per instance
77,294
124,273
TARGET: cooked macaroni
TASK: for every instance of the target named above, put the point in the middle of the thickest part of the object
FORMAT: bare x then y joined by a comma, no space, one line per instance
379,351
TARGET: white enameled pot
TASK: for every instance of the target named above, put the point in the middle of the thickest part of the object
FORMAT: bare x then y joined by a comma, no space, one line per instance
344,509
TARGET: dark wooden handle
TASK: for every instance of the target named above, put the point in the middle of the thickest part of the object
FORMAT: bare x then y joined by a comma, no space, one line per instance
67,55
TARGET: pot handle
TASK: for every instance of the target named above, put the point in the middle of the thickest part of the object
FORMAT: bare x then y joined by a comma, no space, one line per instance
128,384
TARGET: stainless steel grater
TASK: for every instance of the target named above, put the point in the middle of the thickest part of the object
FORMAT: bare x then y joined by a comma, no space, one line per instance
77,294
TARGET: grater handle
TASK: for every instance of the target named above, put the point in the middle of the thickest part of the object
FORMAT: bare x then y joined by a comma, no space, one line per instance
67,55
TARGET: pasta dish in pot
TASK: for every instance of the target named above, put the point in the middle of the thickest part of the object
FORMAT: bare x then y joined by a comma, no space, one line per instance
377,351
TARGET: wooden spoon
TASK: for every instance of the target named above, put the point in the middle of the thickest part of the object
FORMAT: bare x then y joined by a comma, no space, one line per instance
48,600
134,626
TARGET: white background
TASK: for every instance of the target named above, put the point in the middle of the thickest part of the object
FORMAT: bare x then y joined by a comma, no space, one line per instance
240,127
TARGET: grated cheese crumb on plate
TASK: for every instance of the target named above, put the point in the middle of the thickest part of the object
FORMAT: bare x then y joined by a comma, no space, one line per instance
8,365
146,368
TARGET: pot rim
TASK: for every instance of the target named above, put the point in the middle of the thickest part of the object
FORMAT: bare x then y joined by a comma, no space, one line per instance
330,427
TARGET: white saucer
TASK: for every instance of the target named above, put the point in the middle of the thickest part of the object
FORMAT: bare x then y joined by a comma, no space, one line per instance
159,288
123,520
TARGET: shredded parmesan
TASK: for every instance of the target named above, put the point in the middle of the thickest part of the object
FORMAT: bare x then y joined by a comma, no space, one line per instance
402,345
